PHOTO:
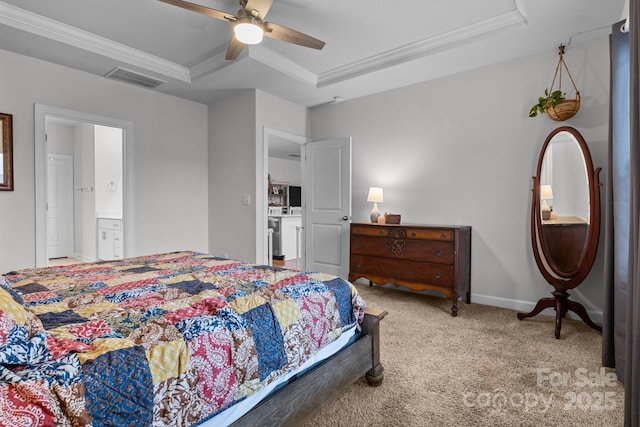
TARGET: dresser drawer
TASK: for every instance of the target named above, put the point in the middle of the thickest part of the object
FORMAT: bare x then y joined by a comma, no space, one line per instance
440,252
429,234
403,269
367,245
369,230
423,250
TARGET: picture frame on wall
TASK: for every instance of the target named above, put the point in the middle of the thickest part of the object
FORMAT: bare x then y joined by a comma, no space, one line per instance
6,152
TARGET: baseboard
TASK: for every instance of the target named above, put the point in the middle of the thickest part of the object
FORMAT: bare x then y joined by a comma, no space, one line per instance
525,306
517,305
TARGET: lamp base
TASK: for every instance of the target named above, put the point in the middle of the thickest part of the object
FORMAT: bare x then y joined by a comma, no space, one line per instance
375,213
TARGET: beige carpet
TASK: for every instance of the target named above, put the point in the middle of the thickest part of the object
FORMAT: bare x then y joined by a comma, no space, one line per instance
483,368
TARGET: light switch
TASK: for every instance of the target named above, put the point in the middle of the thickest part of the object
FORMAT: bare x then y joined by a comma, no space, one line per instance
246,199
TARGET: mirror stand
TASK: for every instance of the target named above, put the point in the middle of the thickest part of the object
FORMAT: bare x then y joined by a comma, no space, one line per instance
561,303
564,237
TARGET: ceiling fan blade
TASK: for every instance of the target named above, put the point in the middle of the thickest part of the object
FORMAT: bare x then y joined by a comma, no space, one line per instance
260,6
202,9
280,32
234,49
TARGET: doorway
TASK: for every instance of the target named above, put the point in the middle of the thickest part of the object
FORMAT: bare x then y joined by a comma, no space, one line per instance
325,169
284,189
95,190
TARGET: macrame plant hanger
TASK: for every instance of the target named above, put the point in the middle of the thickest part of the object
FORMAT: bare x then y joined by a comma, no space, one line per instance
569,107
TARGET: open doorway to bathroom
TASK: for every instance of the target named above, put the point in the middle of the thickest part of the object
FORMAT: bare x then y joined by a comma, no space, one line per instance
80,187
84,191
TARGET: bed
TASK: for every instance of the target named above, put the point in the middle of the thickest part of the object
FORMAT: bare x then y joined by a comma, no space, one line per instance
178,339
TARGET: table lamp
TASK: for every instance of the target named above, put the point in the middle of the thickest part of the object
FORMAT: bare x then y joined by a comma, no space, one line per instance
375,196
546,193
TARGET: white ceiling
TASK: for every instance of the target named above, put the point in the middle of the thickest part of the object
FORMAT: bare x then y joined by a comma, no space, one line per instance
371,45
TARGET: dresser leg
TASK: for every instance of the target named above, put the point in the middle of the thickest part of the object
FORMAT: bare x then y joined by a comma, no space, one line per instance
454,308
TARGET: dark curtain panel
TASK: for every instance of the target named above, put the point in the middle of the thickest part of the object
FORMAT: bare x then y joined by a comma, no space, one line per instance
621,328
617,209
632,350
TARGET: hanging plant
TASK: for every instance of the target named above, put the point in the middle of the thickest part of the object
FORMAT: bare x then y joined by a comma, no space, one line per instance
547,101
554,103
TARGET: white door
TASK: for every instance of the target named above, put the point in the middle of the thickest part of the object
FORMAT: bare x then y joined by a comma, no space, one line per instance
328,206
59,202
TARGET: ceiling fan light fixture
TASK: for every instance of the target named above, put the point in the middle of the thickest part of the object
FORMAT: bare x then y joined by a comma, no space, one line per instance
248,32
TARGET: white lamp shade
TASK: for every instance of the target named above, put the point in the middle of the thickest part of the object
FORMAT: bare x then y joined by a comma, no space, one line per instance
375,195
248,33
545,192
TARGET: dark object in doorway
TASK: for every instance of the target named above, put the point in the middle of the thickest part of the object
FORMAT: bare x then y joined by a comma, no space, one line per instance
295,195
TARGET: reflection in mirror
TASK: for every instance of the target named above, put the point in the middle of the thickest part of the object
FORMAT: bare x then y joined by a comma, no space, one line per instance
6,152
564,170
564,203
565,220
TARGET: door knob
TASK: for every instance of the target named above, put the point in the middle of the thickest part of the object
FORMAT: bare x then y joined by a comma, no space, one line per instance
345,218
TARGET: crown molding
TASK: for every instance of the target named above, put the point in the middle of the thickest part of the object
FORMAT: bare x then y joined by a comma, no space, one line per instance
42,26
422,48
283,64
259,53
215,62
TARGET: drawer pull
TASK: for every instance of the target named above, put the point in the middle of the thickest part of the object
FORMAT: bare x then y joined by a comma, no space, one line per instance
360,246
381,232
413,234
359,265
438,275
438,253
443,236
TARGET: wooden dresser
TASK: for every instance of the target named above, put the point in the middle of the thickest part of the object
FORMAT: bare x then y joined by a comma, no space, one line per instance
419,257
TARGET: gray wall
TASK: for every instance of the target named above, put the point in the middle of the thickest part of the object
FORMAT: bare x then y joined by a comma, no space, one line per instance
285,171
232,158
236,167
170,155
461,150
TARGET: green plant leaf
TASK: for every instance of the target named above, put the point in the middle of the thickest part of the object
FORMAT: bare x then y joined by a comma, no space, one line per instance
549,100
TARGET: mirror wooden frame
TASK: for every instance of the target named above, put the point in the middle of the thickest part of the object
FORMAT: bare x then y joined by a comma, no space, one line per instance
6,123
562,281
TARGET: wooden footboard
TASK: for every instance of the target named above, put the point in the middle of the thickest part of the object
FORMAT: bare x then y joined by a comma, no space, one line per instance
291,404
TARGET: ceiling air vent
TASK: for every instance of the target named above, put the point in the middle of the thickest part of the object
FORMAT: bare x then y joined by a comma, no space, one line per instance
133,77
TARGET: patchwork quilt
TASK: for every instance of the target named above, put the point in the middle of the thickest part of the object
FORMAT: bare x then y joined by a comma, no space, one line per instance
169,339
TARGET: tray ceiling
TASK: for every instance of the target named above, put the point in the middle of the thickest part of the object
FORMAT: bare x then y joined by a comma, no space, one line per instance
371,45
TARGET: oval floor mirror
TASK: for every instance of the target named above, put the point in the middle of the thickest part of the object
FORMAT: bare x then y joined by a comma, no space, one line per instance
565,220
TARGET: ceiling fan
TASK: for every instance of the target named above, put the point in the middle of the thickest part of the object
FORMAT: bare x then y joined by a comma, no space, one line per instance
249,27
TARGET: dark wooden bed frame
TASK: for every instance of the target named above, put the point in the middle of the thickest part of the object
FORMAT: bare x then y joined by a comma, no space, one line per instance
292,404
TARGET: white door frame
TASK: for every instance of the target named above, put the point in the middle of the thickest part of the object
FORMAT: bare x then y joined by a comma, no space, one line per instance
262,202
68,159
40,114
